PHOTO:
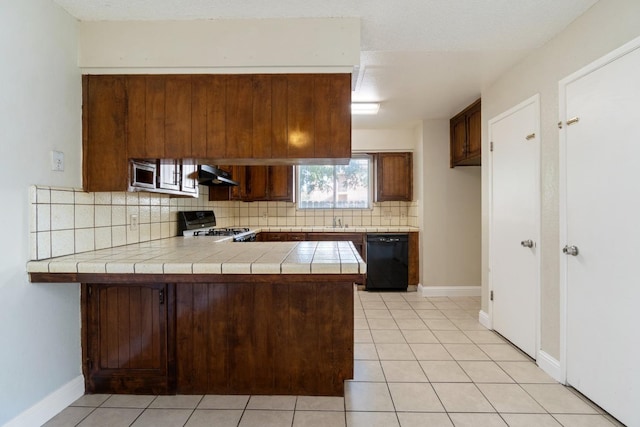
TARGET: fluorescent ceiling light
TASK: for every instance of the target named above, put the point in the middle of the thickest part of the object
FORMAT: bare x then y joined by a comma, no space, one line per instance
365,107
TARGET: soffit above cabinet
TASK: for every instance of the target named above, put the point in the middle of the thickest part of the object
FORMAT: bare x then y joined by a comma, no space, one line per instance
220,46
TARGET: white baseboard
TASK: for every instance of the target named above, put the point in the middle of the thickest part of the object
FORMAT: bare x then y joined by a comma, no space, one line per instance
51,405
550,365
484,319
449,291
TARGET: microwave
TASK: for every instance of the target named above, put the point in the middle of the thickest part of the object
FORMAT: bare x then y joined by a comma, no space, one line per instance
142,175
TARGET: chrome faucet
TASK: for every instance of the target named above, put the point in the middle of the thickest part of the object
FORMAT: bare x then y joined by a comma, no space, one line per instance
337,222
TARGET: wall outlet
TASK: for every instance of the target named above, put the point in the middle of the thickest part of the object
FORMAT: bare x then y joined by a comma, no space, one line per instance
387,214
265,215
133,222
57,161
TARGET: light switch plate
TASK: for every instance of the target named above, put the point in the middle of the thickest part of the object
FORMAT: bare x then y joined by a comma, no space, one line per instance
57,161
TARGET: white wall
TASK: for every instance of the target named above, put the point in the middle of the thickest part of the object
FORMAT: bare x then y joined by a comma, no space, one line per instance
383,139
606,26
40,98
450,203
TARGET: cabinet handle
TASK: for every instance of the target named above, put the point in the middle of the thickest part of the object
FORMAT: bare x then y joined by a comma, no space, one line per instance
161,295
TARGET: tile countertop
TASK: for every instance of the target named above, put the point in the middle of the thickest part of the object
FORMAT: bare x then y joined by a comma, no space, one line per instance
210,255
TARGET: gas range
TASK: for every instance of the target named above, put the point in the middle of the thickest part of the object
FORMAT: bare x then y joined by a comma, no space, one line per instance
202,224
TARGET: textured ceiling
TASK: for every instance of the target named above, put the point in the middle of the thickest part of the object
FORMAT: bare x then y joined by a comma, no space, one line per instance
421,58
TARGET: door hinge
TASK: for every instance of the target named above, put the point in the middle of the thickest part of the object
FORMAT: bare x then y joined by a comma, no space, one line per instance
491,296
491,146
161,295
560,124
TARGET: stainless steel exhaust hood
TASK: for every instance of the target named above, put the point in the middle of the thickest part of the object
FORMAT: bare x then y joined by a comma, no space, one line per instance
214,177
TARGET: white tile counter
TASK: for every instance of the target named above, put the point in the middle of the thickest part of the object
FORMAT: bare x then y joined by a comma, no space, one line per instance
210,255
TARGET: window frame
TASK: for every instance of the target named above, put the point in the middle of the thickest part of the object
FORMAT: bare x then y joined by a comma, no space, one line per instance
370,183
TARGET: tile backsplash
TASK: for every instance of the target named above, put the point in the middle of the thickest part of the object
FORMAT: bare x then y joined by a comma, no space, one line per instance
65,221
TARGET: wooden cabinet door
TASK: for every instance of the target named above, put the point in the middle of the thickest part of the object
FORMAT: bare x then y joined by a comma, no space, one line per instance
262,123
458,129
105,164
465,136
208,116
155,117
280,183
126,338
136,117
239,174
256,183
177,122
300,116
474,133
332,115
394,177
239,112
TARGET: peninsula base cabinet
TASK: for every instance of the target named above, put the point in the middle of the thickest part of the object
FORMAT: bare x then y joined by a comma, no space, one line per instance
219,334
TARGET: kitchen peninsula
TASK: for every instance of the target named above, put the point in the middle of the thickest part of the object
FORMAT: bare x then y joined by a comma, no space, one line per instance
193,316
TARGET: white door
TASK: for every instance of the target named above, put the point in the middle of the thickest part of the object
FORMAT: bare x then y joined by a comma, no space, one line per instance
514,224
600,216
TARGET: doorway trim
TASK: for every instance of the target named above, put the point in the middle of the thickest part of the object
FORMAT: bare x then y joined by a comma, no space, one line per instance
535,101
562,193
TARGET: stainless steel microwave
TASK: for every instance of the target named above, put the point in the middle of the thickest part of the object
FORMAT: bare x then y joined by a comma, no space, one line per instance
142,175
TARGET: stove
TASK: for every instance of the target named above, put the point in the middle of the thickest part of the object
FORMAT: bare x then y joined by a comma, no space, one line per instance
202,224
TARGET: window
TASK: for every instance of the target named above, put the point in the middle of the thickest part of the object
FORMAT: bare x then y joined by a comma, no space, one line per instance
336,186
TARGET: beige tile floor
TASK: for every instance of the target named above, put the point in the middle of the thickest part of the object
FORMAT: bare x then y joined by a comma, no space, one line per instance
418,362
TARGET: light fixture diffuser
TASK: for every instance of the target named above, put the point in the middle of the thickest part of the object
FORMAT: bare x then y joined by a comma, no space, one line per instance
365,107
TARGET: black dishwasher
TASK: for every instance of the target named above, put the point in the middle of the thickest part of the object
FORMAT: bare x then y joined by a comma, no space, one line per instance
387,262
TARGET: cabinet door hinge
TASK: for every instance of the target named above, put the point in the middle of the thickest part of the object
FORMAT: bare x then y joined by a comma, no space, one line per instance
161,295
491,146
89,364
491,296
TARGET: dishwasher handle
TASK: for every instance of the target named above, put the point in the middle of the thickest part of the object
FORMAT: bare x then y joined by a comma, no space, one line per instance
387,240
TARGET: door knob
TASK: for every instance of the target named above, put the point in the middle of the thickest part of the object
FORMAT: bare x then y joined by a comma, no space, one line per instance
527,243
571,250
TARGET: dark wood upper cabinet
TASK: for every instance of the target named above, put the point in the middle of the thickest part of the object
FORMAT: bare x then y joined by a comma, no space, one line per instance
300,118
332,120
239,128
256,183
280,183
126,338
233,119
279,123
178,120
262,117
465,136
159,117
154,118
208,116
394,177
104,142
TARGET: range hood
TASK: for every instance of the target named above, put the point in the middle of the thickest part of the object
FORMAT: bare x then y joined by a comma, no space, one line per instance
214,177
